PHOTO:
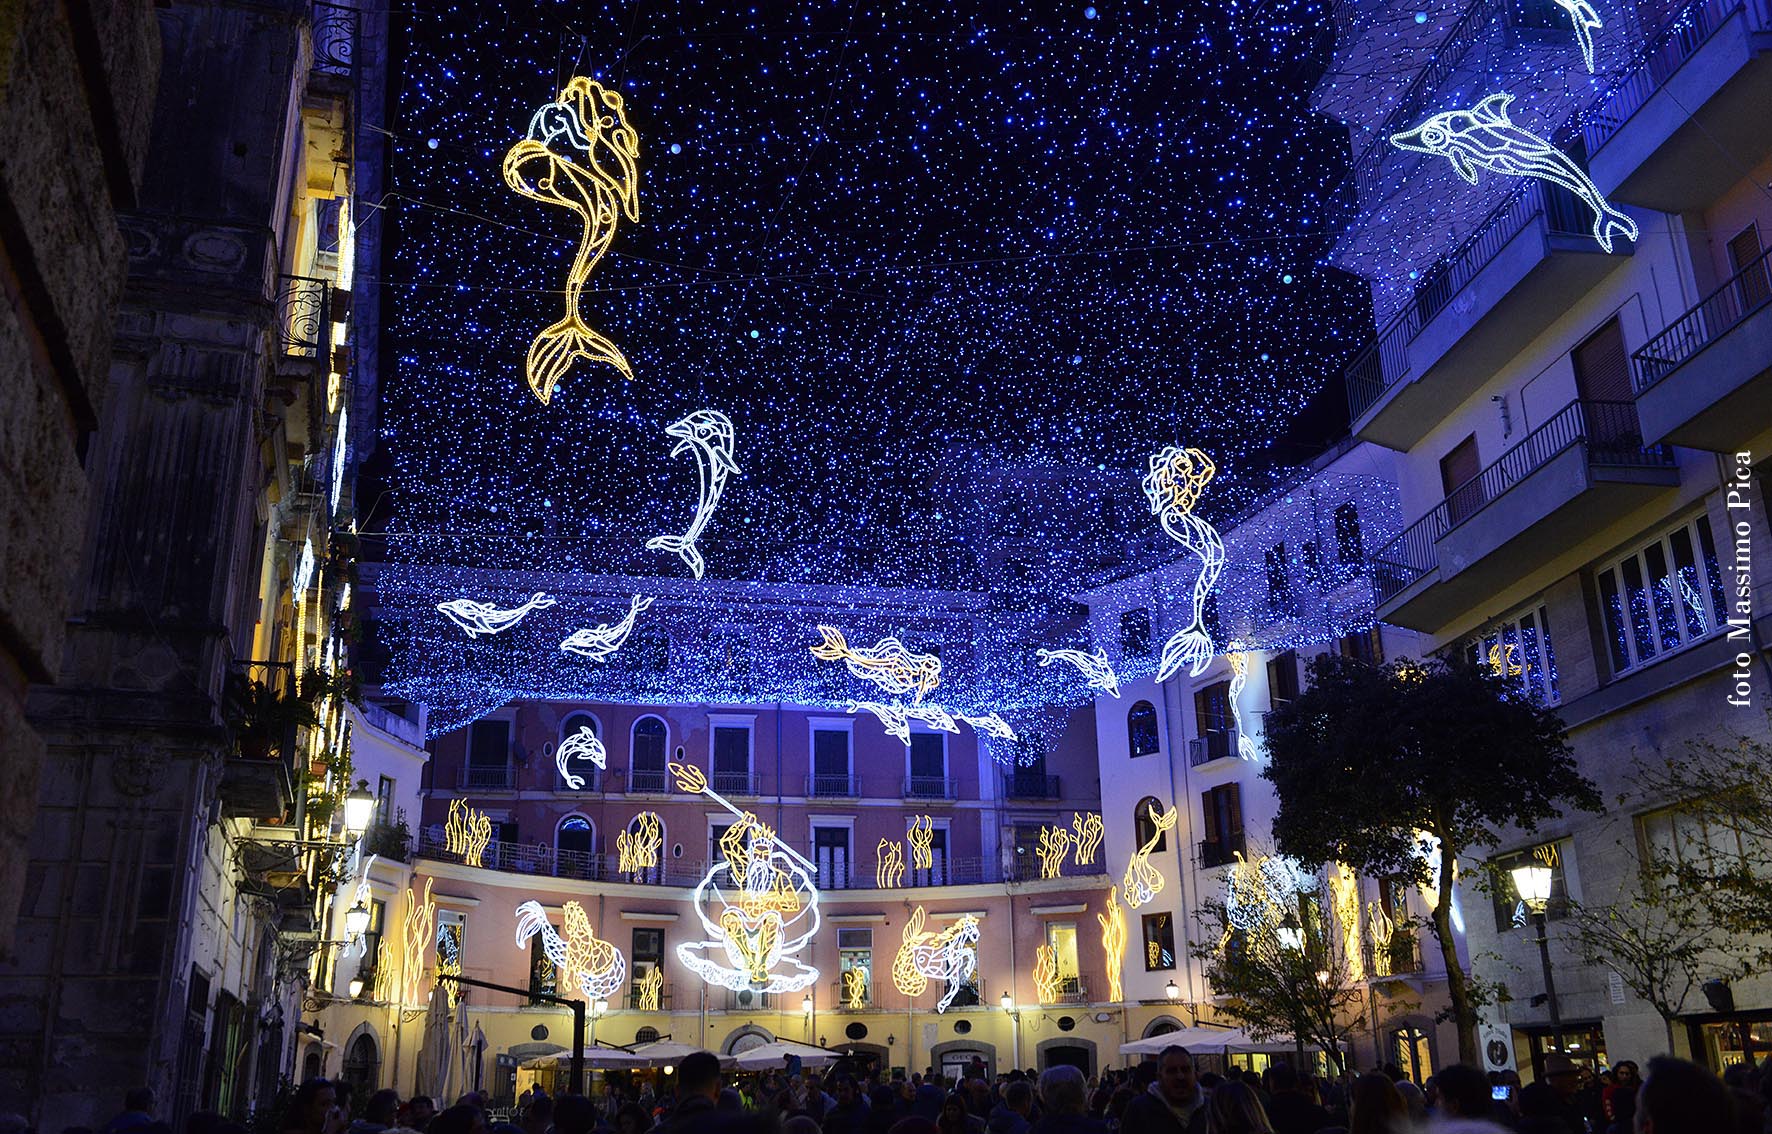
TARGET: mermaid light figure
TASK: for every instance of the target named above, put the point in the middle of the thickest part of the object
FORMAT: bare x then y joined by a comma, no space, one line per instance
580,154
1173,487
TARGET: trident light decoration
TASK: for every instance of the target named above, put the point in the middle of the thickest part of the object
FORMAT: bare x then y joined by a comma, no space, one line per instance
921,835
580,154
1094,667
889,865
950,956
1142,881
888,663
855,989
581,745
598,642
648,988
637,847
758,905
1484,138
1047,983
1586,21
1173,486
1239,680
1054,847
467,831
1113,942
595,965
708,435
482,618
1086,829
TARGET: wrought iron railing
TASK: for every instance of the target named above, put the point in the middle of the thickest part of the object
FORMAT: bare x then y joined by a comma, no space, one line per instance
734,783
844,787
1030,785
648,781
1665,53
1714,316
500,778
1399,956
1221,851
931,787
335,31
1215,744
304,316
1070,990
1611,433
541,859
1385,361
840,998
633,999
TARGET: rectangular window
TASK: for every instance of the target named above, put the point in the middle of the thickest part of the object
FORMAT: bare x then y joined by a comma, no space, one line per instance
1458,479
1282,679
1027,851
1510,910
1362,645
1159,942
646,959
1755,285
732,759
489,754
1135,633
542,973
715,834
830,762
830,852
1223,815
1062,938
855,954
936,873
1662,596
1212,719
1519,649
451,925
504,832
378,910
929,765
1279,579
384,801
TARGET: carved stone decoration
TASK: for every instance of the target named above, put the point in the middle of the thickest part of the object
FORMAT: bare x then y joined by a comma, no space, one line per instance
135,771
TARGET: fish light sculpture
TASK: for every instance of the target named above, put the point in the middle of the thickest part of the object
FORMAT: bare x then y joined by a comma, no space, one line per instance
1173,486
1143,881
595,965
1483,137
596,643
950,956
484,619
708,436
579,154
1097,673
888,663
581,745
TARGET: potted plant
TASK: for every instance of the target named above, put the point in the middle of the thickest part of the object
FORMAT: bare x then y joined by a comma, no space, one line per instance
261,717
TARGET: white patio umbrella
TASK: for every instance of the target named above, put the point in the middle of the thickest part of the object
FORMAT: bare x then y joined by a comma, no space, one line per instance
766,1056
1195,1040
598,1058
669,1053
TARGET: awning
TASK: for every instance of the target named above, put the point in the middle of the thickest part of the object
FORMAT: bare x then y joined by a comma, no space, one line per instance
1207,1041
768,1056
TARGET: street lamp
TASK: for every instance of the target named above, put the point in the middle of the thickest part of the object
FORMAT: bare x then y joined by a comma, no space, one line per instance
1172,992
356,987
1008,1002
1291,934
598,1007
1533,883
356,920
359,806
811,1012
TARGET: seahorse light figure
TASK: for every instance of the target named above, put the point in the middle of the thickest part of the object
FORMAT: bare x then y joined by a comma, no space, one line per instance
708,435
597,966
1239,679
1484,138
580,154
888,663
1087,830
1173,486
1143,881
1094,667
598,642
1586,22
479,618
951,956
581,745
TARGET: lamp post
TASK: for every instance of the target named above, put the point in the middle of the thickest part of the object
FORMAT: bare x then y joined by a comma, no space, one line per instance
1533,883
1171,991
1008,1003
359,807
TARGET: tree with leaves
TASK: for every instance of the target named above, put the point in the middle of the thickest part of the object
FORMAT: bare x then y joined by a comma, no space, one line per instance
1272,956
1400,770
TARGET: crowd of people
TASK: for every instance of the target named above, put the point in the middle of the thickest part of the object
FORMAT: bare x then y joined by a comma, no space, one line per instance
1159,1096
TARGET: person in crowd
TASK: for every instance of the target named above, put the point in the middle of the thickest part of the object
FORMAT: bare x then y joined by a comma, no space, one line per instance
629,1119
1234,1109
419,1112
849,1113
1291,1109
1064,1102
576,1114
313,1109
1413,1099
1015,1113
1541,1111
138,1110
1377,1107
461,1118
380,1112
1174,1103
1464,1102
1678,1097
1627,1078
954,1117
698,1085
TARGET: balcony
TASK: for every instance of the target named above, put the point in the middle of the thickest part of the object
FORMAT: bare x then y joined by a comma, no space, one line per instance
839,999
735,783
631,999
833,787
1401,956
643,781
1690,119
1214,744
1070,990
256,787
335,31
1221,852
540,859
931,787
1506,283
1565,482
486,778
1029,785
1706,381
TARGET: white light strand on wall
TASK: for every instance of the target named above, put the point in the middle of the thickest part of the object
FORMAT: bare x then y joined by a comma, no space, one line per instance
1586,22
991,725
597,642
479,618
1484,138
581,745
708,435
1173,486
1094,667
1239,681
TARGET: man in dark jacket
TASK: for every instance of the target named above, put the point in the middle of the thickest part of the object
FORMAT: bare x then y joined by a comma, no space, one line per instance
1291,1110
1174,1104
1013,1114
698,1085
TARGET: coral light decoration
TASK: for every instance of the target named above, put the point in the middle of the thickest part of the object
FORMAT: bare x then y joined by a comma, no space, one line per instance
855,989
467,831
1087,831
648,988
1173,486
1143,881
1047,983
597,967
637,848
950,956
889,865
580,154
1344,897
415,936
1113,942
921,835
1054,847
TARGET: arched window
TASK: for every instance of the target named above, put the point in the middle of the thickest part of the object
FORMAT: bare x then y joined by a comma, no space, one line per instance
1144,826
362,1067
647,1034
647,755
575,848
577,721
1141,729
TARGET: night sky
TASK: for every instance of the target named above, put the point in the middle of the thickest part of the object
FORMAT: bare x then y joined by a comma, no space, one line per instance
894,243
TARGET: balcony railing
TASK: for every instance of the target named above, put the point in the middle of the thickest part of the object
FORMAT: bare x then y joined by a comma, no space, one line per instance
931,787
1677,41
1746,292
541,859
1613,437
335,38
631,999
1385,361
1221,852
1207,747
485,778
1399,957
304,316
734,783
1029,785
839,998
648,782
828,787
1070,990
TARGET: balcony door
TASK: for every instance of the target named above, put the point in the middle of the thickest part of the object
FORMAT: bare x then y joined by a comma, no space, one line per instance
732,759
1602,377
489,754
1754,283
830,761
1458,478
